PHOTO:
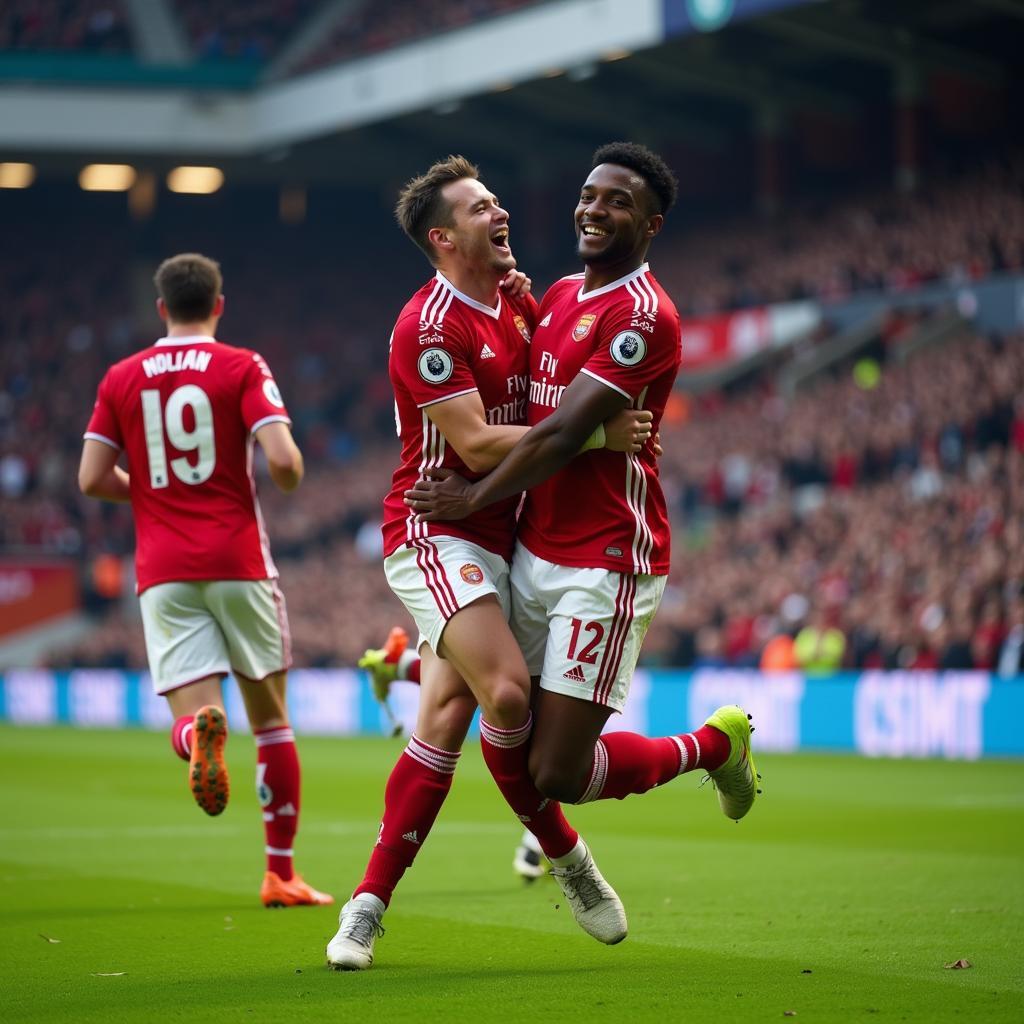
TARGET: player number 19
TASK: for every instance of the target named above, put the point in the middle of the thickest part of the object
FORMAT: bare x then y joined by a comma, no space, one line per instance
170,423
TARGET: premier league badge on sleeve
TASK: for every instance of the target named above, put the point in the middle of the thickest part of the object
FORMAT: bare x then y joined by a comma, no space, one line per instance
435,365
628,348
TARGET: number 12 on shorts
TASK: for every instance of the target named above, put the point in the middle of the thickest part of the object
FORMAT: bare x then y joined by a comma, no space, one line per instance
588,653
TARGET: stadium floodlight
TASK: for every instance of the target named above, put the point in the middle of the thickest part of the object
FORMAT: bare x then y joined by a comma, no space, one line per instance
15,175
106,177
197,181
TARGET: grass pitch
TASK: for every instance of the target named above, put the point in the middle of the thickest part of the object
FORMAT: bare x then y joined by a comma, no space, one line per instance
840,898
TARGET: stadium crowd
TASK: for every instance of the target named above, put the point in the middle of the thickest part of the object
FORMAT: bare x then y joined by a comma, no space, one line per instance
958,229
93,26
251,31
371,28
885,518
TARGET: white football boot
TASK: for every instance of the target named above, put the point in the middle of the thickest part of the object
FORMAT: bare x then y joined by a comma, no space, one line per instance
359,927
593,902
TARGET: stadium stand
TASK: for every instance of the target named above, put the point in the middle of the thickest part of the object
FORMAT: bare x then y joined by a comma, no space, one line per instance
250,31
94,26
371,28
890,509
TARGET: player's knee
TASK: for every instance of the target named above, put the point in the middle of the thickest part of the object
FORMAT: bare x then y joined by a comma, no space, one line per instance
508,704
557,782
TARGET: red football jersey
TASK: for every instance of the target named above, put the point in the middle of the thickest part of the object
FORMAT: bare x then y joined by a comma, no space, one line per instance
446,344
604,509
184,411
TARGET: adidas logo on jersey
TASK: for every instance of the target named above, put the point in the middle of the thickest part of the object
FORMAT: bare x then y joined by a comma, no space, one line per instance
412,837
575,674
546,321
487,352
287,810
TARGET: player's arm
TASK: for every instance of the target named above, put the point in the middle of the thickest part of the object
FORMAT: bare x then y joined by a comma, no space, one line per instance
542,451
482,445
462,421
99,475
284,459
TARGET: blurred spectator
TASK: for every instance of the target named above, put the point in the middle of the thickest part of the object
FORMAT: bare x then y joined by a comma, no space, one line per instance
820,646
779,654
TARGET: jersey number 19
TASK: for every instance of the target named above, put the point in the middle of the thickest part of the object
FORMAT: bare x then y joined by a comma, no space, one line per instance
170,423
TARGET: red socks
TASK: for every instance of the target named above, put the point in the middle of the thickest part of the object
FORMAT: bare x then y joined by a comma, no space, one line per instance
505,753
416,789
277,786
627,763
181,736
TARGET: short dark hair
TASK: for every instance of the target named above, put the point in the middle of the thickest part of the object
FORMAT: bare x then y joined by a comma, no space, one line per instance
190,285
655,172
421,206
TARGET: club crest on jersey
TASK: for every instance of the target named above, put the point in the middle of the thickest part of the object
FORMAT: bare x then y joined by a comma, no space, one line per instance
521,327
628,348
272,394
583,325
472,573
435,365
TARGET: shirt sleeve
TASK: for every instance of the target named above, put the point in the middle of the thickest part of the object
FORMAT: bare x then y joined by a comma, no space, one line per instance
261,399
629,357
103,425
432,365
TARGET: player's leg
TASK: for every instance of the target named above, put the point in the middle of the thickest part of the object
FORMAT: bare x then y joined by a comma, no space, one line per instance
458,594
415,792
198,736
596,630
254,620
188,659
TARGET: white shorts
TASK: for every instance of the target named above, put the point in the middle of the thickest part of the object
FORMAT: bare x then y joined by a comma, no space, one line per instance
581,630
200,628
436,576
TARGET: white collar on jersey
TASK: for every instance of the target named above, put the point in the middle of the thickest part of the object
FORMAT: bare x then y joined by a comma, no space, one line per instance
491,311
188,339
582,296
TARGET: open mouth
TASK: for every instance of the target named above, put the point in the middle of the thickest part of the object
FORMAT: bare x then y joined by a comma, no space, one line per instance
594,231
500,239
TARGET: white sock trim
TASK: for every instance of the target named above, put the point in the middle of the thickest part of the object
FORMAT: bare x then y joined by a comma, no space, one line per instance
273,851
374,901
598,774
684,757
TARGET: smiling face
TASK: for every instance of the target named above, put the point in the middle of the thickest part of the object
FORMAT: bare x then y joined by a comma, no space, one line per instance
615,217
479,232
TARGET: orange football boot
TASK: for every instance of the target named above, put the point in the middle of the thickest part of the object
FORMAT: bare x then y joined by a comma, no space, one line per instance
274,892
207,772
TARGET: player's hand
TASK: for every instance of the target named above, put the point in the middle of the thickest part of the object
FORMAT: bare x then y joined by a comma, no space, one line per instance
516,283
440,494
628,431
656,445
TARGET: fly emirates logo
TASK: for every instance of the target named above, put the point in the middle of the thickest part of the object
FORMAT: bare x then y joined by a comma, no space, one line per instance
543,392
513,410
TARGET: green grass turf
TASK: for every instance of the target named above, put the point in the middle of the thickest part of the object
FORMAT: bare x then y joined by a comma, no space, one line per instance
841,896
